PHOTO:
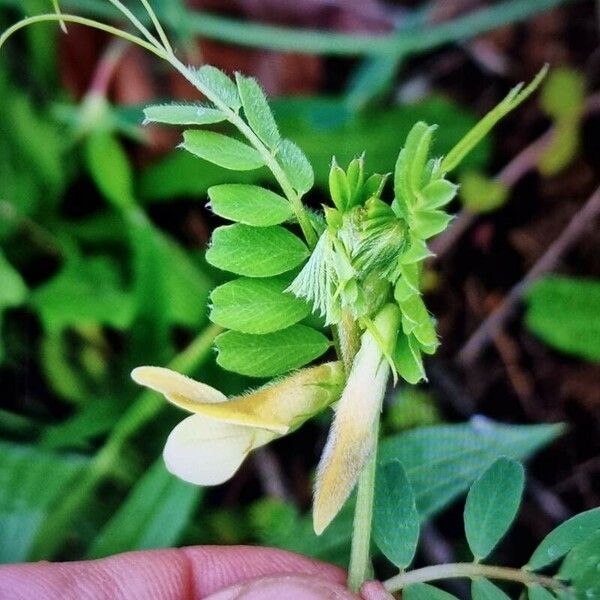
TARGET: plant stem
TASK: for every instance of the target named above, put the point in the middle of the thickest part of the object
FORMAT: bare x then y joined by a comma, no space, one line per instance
454,570
360,566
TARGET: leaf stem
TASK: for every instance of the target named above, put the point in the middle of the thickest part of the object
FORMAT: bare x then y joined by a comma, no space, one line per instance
360,568
455,570
81,21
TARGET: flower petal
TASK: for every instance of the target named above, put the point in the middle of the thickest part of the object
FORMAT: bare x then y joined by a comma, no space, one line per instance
204,451
178,389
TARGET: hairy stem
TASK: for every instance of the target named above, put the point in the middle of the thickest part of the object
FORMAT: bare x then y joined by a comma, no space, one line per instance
455,570
360,567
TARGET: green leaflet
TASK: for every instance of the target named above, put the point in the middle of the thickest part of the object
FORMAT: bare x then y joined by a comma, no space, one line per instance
222,150
109,166
270,354
564,538
255,251
575,331
249,204
219,84
581,568
13,290
407,359
537,592
492,504
423,591
256,305
183,114
395,517
295,165
140,523
428,223
483,589
257,110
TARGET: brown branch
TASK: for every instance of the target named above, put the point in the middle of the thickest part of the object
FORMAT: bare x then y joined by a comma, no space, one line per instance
494,322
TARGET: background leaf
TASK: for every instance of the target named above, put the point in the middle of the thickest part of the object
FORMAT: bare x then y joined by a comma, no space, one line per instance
271,354
395,518
153,515
255,251
575,331
492,504
109,166
249,204
443,460
34,481
256,305
221,150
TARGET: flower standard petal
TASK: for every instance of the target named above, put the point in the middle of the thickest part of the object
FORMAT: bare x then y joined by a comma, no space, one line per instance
177,388
205,451
351,438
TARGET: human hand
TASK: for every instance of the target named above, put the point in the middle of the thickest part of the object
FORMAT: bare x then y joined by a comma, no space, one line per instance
207,572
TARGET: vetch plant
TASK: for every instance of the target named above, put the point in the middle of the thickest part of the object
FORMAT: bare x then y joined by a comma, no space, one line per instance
357,264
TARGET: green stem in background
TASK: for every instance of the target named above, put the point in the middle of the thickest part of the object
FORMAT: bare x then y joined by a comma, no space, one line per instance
401,43
147,406
360,568
455,570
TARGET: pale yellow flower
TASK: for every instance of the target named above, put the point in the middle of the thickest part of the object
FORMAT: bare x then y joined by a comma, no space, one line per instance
209,446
